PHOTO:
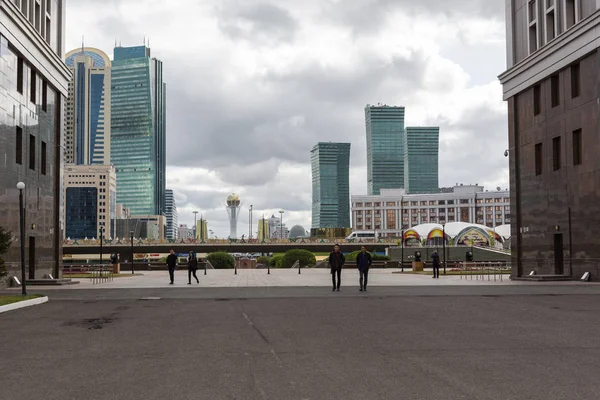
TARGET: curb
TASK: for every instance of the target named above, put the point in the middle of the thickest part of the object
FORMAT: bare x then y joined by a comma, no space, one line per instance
23,304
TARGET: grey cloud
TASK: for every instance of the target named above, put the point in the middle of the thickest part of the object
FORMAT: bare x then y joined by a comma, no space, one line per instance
249,21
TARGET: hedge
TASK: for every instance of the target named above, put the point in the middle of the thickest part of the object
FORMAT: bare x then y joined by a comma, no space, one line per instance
264,260
276,261
305,257
375,257
221,260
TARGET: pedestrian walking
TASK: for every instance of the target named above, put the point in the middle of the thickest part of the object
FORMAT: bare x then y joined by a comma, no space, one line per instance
435,260
363,262
336,263
192,267
171,264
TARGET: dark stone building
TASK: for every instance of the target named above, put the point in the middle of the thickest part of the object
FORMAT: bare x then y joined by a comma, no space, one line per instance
33,85
552,87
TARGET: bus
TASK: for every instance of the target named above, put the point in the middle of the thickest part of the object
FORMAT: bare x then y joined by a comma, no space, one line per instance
361,235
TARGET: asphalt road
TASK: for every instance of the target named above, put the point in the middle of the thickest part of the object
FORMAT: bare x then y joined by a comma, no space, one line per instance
348,345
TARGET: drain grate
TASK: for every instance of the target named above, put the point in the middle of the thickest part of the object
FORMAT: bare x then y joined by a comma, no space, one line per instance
151,298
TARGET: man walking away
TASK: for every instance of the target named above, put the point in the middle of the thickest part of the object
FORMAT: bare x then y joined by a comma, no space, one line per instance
192,267
172,263
363,262
436,264
336,262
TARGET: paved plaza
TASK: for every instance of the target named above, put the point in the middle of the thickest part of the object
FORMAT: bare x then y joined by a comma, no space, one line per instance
291,337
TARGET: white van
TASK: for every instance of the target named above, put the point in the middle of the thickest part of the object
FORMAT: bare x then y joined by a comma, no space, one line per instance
361,235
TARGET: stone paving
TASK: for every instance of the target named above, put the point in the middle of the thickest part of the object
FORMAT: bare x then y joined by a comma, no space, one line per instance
290,278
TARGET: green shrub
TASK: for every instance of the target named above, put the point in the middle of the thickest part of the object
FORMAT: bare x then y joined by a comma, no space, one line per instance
305,257
264,260
275,261
375,257
5,242
221,260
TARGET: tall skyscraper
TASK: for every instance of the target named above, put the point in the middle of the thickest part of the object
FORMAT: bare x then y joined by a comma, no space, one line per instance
87,117
421,148
330,164
138,130
171,214
385,147
33,86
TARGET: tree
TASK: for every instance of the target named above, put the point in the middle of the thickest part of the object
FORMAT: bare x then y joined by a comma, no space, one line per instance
305,257
221,260
5,242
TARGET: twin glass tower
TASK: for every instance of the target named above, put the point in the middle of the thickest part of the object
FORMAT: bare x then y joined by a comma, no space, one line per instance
399,157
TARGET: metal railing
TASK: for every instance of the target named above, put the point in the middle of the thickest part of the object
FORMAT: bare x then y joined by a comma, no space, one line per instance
482,269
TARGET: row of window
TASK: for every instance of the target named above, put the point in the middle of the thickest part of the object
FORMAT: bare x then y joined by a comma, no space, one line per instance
32,151
430,202
577,144
37,15
35,80
575,73
553,19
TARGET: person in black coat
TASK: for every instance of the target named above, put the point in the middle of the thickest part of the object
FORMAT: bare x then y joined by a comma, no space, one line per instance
363,263
435,260
172,263
192,267
336,263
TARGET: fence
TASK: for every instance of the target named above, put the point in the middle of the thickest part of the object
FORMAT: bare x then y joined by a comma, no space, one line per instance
480,270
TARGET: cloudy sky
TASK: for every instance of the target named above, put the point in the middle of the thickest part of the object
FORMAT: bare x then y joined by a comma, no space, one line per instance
253,85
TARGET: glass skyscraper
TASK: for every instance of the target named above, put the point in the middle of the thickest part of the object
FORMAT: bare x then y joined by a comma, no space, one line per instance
171,214
385,147
87,116
330,164
138,130
421,149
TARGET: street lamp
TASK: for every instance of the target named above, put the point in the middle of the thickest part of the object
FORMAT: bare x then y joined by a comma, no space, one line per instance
444,244
281,224
101,240
195,232
131,233
21,187
250,230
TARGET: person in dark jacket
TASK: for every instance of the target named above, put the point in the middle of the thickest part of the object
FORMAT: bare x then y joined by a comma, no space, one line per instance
192,267
336,263
172,263
363,263
435,260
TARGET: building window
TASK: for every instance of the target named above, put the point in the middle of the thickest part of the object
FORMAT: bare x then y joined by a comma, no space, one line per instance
555,90
577,147
570,13
538,159
556,153
32,152
537,99
550,20
20,68
32,82
45,96
575,80
43,166
19,142
533,26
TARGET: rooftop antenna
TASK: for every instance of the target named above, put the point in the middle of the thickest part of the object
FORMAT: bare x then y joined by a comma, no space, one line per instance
82,46
144,40
115,42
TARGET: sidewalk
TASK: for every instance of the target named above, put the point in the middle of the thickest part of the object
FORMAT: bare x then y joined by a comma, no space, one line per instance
288,278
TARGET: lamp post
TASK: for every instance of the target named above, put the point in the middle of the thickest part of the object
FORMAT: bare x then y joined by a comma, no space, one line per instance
281,224
21,187
402,240
195,230
444,244
131,233
250,230
101,240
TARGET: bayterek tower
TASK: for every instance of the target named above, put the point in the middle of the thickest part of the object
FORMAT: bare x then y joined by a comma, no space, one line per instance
233,210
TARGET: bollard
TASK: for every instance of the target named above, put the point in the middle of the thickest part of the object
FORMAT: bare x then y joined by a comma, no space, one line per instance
235,268
205,267
268,269
299,265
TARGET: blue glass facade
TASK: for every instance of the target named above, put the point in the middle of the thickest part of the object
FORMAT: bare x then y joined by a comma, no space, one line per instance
81,212
98,59
385,148
421,148
330,164
96,141
80,101
138,130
